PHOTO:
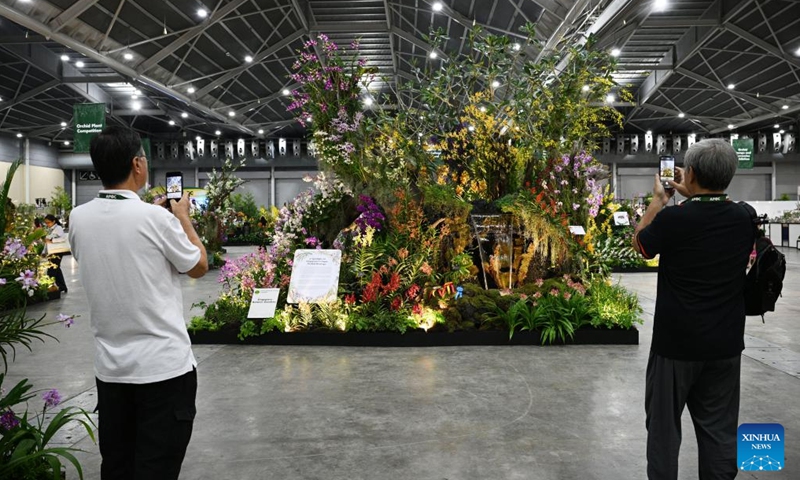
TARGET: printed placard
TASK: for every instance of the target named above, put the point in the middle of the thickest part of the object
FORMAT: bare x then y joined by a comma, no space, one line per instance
621,219
760,447
577,230
315,276
263,303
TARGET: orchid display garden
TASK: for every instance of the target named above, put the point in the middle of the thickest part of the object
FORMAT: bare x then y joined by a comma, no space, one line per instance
455,201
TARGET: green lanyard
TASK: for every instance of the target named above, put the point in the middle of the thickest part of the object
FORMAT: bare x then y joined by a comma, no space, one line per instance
709,198
112,196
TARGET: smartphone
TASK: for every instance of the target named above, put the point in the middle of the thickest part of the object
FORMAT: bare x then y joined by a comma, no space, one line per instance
667,171
174,187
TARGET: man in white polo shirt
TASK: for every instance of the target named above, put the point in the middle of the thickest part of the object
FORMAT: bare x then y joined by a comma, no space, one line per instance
130,254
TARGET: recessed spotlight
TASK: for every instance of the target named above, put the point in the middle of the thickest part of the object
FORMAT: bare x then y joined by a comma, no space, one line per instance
184,115
217,133
63,124
731,86
782,132
660,5
615,52
495,84
437,6
231,113
368,101
731,126
585,88
517,46
433,55
261,131
19,135
777,126
172,122
137,106
66,143
681,115
128,56
248,58
202,12
80,64
785,107
190,89
610,98
64,58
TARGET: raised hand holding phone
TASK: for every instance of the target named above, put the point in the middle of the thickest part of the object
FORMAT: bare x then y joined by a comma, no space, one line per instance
174,188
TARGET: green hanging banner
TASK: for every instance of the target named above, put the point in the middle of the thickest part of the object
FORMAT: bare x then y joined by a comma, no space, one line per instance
744,150
90,119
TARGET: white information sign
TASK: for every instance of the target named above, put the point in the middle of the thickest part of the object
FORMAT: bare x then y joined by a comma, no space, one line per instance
577,230
264,302
621,218
315,276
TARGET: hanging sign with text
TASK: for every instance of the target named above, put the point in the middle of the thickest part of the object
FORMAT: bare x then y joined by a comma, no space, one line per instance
315,276
744,150
90,119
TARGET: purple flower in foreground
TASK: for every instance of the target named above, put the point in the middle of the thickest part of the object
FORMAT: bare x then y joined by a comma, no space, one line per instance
28,281
51,398
67,320
3,281
8,420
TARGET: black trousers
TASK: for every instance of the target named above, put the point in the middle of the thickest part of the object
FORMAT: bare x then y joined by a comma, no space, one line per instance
711,391
55,271
144,429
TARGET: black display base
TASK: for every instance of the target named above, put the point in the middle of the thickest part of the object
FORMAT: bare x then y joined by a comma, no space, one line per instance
635,270
417,338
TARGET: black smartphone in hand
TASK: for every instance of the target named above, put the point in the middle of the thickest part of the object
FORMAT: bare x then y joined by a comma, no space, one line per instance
174,187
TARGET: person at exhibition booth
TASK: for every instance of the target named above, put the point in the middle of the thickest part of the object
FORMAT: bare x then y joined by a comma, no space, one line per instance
698,332
130,254
55,238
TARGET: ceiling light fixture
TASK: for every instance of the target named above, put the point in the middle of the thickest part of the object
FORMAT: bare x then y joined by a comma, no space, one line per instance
495,84
64,58
79,64
483,109
437,6
172,122
681,115
797,52
286,92
128,56
433,55
368,101
777,126
585,88
649,132
190,89
309,118
731,86
471,128
731,126
137,106
785,107
198,138
615,52
248,58
202,12
217,133
231,113
517,46
134,96
660,5
782,132
261,131
19,135
610,98
63,124
184,115
66,143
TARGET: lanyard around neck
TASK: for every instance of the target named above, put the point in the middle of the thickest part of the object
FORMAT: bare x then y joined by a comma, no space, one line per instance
709,198
112,196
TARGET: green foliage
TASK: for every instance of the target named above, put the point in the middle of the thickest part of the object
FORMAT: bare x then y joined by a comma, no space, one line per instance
60,204
245,204
24,449
613,306
17,329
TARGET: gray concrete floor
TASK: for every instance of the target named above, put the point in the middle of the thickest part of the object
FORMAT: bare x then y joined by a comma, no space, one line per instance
452,413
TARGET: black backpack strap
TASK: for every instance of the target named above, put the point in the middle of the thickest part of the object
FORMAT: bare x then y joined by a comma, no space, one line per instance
754,217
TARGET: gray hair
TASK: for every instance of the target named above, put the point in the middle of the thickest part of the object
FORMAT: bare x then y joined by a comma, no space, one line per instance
714,163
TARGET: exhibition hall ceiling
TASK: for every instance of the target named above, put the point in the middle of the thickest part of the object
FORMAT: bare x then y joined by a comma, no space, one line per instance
171,68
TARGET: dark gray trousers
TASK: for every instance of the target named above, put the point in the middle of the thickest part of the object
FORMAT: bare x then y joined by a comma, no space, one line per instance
711,391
